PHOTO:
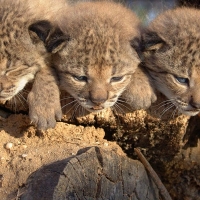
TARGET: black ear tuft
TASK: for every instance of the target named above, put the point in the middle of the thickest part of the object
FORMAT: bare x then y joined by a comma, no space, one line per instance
41,29
56,40
151,41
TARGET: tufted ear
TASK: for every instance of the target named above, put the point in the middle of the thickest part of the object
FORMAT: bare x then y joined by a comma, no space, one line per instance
152,42
40,30
56,40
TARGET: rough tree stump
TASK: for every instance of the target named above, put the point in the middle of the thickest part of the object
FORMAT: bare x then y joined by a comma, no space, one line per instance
93,174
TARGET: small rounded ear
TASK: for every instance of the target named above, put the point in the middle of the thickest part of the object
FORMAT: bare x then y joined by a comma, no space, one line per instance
40,30
53,38
56,40
152,42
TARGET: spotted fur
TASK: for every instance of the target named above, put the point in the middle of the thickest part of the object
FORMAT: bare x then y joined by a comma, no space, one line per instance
172,57
23,57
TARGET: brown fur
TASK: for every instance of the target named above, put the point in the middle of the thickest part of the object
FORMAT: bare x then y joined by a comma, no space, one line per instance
140,94
172,57
23,55
96,63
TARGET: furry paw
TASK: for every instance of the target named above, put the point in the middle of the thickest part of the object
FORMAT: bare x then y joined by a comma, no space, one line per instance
44,100
140,93
43,114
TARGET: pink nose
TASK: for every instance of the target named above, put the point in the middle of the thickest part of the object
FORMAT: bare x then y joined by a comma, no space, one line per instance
98,101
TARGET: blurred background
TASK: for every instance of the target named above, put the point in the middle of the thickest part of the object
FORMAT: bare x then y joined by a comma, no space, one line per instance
147,10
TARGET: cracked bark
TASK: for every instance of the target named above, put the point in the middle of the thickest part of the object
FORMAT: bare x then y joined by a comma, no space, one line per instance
94,174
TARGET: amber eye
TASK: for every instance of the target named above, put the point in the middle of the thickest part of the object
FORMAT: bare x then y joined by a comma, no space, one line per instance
116,79
80,78
182,80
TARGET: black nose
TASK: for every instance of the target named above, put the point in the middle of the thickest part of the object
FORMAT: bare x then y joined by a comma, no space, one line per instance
195,105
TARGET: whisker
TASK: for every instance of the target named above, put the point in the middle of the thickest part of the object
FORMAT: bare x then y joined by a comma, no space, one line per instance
82,111
74,113
78,107
18,97
173,113
68,103
22,96
113,108
165,104
72,107
121,104
165,110
166,101
119,108
79,111
66,98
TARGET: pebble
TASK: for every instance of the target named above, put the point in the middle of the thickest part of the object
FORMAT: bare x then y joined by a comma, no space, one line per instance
24,146
9,145
105,144
24,155
2,159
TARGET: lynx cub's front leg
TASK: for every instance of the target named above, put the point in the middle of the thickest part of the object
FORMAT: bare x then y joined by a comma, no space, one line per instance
44,100
139,94
24,27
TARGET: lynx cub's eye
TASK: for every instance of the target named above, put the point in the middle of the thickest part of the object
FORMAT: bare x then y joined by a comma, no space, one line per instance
116,79
182,80
80,78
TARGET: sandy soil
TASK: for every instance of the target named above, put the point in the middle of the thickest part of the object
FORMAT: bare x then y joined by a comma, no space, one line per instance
32,149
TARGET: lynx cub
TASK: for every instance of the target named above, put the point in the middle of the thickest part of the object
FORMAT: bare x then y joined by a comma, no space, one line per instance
95,56
172,57
23,57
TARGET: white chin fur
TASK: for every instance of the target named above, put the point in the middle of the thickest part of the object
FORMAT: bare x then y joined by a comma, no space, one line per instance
23,82
189,113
